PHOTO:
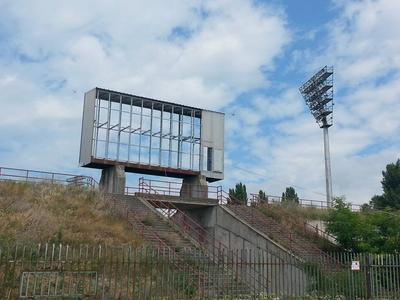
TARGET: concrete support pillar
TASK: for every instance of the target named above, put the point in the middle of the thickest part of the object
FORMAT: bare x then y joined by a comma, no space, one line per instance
113,180
194,187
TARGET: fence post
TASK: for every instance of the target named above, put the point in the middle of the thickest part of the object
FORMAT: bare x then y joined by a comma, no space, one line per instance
368,276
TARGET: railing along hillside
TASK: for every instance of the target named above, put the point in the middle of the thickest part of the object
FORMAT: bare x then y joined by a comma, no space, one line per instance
25,175
162,187
208,242
307,203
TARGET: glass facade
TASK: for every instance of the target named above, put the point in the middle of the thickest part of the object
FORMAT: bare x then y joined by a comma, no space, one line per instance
144,131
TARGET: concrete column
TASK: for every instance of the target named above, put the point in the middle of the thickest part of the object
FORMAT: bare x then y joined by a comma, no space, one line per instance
194,187
113,180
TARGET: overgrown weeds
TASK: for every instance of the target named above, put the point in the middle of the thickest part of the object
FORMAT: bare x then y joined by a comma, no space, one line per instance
43,212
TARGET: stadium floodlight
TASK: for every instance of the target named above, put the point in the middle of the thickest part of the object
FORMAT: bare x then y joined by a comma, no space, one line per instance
318,94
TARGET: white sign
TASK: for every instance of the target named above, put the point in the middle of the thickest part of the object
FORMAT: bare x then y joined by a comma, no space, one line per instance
355,265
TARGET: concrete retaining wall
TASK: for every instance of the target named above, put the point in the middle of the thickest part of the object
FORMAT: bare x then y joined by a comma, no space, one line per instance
277,268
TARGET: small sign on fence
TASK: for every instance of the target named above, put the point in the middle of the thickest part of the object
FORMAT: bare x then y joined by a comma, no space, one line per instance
355,265
57,284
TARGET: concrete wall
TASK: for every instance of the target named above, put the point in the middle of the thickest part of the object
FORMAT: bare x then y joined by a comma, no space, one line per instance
276,268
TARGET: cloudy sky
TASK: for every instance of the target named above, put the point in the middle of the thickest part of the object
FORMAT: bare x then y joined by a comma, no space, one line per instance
245,58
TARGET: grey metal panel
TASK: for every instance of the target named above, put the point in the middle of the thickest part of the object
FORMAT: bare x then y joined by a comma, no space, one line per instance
87,128
212,135
212,129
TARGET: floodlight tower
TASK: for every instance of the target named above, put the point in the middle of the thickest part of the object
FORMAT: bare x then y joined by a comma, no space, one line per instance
318,94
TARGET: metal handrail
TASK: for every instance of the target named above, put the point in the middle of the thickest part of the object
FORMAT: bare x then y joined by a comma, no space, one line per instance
126,213
173,188
305,226
27,175
292,242
143,187
318,231
318,204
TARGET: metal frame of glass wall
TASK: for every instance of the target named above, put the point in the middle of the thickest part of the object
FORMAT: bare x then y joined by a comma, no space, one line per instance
145,131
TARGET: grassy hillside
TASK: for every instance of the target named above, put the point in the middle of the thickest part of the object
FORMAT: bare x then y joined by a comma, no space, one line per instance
280,212
294,217
54,213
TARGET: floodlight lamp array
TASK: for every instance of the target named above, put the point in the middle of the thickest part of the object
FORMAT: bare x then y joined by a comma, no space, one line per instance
318,94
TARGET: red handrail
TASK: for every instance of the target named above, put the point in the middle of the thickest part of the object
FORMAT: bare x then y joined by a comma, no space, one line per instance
173,188
127,214
143,187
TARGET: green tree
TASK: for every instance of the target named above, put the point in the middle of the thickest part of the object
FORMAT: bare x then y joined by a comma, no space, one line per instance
290,196
238,193
262,196
364,231
391,188
342,223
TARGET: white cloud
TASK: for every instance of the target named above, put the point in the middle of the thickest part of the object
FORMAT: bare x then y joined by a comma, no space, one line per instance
364,47
365,40
288,104
57,51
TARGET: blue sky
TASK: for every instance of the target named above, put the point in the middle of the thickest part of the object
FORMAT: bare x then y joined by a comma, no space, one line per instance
246,58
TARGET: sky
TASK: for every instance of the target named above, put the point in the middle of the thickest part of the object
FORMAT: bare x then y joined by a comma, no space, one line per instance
244,58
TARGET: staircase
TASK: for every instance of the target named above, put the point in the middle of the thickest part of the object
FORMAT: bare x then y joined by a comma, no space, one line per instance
282,235
152,226
158,232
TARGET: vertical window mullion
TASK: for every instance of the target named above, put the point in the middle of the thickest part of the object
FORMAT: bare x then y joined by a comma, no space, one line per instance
108,126
130,130
161,134
151,131
140,132
170,135
119,126
191,139
180,126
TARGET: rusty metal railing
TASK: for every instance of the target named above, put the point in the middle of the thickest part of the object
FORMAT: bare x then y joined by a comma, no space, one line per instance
34,176
284,236
174,189
302,225
58,271
307,203
124,211
196,231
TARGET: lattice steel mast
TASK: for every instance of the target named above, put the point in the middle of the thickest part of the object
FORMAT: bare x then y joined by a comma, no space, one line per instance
318,94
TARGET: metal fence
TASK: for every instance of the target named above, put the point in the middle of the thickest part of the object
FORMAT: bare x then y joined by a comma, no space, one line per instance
318,204
33,176
165,188
174,189
100,272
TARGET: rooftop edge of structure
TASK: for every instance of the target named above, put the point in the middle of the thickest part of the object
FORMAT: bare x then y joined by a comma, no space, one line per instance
155,100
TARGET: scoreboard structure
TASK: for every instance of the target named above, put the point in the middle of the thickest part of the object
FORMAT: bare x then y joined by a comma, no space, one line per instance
149,136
